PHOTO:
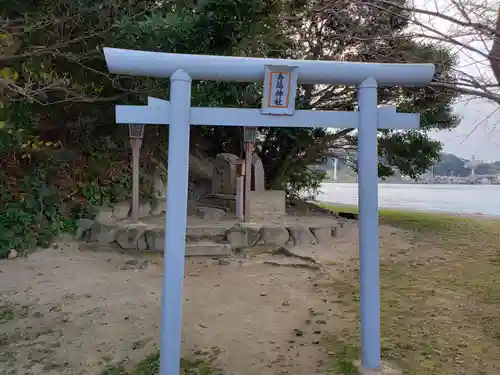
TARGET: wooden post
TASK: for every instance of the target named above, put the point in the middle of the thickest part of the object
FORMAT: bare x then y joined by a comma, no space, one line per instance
136,148
240,187
248,179
240,182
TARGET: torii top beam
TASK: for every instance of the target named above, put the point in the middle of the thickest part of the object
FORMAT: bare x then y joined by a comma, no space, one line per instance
246,69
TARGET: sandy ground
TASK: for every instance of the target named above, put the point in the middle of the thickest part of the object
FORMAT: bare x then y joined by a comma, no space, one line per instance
73,309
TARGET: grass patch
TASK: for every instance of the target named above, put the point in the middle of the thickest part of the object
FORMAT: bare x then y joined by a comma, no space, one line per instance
440,295
9,313
344,357
6,315
418,221
151,366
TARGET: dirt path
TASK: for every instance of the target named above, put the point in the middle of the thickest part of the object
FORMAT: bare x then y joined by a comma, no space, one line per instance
73,310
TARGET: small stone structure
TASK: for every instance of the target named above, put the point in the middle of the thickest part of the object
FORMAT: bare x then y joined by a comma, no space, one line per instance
264,204
257,178
267,205
224,174
220,191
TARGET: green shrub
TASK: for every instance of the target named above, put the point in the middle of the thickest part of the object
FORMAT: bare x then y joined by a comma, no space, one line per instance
31,215
34,210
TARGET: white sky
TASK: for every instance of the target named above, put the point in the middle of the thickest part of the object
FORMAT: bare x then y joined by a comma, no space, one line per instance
479,132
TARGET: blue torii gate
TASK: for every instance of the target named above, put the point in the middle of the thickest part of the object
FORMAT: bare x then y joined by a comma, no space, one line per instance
179,115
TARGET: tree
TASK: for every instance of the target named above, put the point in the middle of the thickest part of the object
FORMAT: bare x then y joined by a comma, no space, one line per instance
56,91
345,30
451,165
467,27
52,58
57,96
65,67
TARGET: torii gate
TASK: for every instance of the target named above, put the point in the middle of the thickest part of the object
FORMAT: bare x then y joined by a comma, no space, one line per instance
278,110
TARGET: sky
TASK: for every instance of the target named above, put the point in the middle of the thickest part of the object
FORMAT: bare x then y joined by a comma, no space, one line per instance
478,134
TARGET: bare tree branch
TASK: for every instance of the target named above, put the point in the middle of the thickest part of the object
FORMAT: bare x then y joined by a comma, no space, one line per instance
470,28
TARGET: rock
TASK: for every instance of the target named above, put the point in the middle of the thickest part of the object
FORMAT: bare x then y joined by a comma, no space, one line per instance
159,208
105,215
298,332
82,226
80,233
144,209
103,234
85,224
192,208
128,238
141,244
274,235
121,210
322,234
214,233
160,182
301,235
241,236
207,248
135,264
12,254
155,239
385,369
210,213
200,167
201,188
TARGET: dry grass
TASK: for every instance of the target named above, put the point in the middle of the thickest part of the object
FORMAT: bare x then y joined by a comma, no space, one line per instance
151,366
440,296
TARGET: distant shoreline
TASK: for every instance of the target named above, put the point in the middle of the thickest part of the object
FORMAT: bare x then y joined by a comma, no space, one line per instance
410,183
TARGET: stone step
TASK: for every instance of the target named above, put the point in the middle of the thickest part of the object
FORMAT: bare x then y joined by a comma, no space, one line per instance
208,248
198,245
203,232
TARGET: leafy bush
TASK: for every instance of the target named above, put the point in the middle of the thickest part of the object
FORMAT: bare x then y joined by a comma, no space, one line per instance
304,184
31,216
44,199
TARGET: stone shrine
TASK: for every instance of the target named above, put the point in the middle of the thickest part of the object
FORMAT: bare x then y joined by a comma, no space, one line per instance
257,181
224,174
264,204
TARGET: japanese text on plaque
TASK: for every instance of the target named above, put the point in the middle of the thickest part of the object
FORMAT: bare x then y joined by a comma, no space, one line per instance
279,89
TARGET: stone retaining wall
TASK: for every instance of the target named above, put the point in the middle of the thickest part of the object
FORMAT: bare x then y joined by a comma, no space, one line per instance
111,226
206,240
